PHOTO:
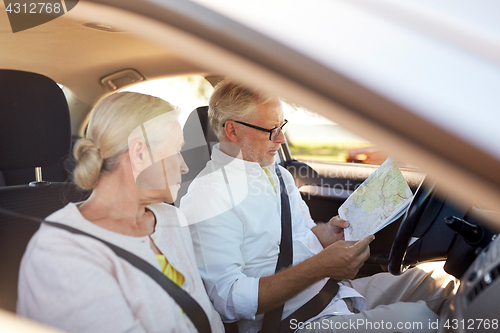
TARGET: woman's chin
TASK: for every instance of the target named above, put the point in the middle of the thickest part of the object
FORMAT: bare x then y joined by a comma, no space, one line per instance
172,193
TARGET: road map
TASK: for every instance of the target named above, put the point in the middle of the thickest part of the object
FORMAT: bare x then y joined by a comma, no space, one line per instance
380,200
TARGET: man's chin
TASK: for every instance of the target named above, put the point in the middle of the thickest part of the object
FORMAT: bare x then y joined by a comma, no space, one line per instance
266,163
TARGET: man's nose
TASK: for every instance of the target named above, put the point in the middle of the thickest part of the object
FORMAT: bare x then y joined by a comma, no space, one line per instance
281,138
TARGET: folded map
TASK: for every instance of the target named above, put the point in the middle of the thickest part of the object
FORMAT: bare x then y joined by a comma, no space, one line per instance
380,200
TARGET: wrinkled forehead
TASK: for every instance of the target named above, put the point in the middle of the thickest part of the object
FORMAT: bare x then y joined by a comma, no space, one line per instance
272,111
267,109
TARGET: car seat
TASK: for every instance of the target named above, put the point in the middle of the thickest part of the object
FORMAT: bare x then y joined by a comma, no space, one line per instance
199,139
22,94
34,132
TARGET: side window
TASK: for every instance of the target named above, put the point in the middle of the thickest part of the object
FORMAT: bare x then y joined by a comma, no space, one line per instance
314,138
185,92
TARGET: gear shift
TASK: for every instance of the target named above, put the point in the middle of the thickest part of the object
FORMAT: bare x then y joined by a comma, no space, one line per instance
472,233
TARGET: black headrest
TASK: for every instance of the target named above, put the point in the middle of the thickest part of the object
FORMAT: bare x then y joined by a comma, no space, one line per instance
35,127
198,141
202,114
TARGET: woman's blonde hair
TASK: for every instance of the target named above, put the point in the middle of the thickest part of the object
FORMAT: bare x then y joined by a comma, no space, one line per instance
111,122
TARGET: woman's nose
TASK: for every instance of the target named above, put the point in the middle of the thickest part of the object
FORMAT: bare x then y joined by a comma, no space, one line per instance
184,167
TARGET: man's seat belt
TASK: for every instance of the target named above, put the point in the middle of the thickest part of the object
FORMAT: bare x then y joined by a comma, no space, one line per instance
272,320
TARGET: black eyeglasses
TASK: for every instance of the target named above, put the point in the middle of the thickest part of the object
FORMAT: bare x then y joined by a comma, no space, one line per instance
273,133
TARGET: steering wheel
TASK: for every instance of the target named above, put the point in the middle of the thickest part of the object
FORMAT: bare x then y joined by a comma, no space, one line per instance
407,227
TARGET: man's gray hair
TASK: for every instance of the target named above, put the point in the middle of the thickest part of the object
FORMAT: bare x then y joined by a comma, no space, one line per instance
233,101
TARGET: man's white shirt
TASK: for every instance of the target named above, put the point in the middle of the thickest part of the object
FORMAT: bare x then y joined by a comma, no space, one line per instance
234,213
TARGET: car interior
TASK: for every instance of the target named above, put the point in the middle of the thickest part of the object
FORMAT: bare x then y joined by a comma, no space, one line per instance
52,75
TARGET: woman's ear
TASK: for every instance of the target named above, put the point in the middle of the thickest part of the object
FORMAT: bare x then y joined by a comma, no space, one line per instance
139,156
230,130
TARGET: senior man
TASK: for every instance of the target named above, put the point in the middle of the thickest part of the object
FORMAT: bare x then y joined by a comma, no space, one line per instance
264,261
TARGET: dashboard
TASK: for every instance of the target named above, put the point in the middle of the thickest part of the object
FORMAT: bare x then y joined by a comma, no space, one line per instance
475,306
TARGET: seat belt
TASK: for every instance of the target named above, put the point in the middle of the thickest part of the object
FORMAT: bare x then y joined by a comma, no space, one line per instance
190,307
272,319
312,308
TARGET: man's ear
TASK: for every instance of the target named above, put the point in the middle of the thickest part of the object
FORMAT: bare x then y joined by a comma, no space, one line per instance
139,156
230,130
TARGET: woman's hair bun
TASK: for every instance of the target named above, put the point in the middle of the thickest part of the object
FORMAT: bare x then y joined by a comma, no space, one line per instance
89,163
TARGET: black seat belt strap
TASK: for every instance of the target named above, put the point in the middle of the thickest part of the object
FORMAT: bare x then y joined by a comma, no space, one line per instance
285,258
272,319
312,308
190,307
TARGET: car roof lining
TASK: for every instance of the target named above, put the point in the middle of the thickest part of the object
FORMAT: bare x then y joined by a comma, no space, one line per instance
78,57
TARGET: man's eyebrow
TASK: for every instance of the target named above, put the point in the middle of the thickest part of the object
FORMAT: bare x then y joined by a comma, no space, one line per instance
280,123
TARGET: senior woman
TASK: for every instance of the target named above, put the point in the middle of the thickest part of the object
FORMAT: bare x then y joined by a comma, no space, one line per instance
131,159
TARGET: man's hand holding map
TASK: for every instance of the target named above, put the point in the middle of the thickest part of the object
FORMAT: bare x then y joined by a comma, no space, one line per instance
381,199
